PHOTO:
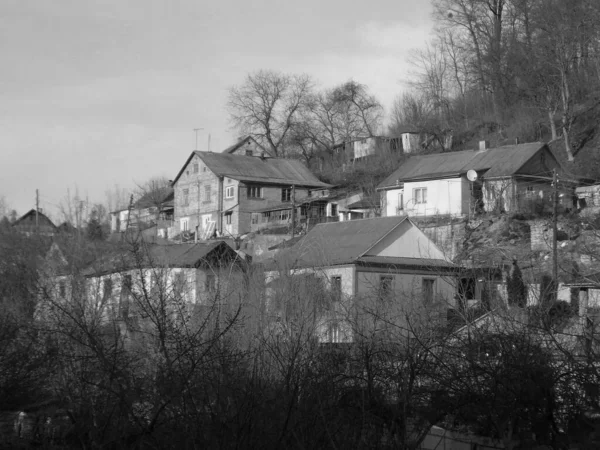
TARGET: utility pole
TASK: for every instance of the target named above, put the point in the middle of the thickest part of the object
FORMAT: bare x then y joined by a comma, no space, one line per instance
293,208
37,209
555,232
209,142
196,131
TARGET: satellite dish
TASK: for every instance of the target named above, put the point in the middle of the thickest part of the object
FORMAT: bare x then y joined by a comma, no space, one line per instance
471,175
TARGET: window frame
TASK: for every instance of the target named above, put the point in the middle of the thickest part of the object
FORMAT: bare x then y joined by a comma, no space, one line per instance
195,168
286,194
228,218
428,290
386,286
423,196
336,287
254,192
207,193
230,192
186,197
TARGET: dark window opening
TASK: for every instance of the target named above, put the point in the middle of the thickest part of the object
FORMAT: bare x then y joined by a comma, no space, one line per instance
428,291
336,288
254,192
286,194
385,287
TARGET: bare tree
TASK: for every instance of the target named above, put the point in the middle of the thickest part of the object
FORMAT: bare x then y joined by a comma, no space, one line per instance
267,106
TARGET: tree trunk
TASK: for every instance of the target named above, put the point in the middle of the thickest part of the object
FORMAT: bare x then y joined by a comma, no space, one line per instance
552,124
570,156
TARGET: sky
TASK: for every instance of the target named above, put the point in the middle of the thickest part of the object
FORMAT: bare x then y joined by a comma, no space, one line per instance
105,93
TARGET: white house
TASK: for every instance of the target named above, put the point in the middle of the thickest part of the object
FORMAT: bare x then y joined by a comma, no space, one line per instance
502,179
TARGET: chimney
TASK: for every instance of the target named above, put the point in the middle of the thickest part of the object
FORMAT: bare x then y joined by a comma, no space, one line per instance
484,145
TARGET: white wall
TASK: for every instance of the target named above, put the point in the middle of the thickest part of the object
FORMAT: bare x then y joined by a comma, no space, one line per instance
444,197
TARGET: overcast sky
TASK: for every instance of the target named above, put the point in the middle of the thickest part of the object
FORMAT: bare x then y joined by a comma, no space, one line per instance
100,93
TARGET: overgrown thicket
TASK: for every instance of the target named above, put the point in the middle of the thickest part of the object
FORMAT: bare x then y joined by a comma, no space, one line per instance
243,368
504,69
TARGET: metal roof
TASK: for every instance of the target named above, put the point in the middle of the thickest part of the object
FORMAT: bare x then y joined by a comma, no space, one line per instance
174,255
496,162
340,243
257,170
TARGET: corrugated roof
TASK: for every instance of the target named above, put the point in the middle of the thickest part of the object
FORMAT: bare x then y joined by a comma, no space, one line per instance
341,242
497,162
260,170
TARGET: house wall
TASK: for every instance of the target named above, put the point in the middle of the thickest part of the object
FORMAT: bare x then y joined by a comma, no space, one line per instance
408,241
249,146
271,196
444,197
198,209
499,195
407,285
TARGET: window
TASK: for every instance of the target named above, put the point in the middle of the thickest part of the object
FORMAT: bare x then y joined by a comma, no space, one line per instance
248,152
266,216
195,167
309,193
336,288
62,288
107,289
254,192
284,215
385,287
204,169
179,285
334,209
186,197
286,194
230,192
529,192
400,201
184,224
419,195
228,218
207,194
254,218
427,290
303,210
127,284
333,332
210,283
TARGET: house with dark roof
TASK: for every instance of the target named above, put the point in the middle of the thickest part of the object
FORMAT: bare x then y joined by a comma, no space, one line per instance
504,179
360,261
223,193
35,222
125,283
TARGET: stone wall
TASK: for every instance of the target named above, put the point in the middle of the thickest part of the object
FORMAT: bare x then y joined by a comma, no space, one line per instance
448,236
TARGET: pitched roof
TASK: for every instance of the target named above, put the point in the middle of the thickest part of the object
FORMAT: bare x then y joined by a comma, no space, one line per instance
257,170
241,142
336,243
30,215
497,162
174,255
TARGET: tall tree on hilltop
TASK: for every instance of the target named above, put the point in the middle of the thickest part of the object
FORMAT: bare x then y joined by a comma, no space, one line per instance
267,106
